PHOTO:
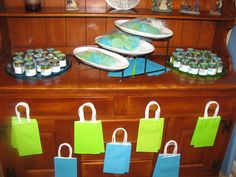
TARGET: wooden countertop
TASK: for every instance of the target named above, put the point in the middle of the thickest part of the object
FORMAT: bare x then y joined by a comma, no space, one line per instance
84,78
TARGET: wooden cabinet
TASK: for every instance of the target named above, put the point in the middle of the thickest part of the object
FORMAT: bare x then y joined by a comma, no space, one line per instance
119,103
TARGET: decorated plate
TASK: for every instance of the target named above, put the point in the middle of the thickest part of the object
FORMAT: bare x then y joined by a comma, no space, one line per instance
122,4
164,32
142,48
101,58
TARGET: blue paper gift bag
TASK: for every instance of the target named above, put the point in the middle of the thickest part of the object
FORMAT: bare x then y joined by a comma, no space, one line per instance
167,165
117,155
65,166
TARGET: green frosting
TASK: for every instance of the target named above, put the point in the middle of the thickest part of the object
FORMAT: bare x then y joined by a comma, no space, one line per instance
142,26
97,58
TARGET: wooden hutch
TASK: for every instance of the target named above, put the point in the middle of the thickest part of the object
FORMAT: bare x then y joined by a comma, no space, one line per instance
119,103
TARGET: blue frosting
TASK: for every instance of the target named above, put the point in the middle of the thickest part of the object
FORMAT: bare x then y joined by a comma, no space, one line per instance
120,40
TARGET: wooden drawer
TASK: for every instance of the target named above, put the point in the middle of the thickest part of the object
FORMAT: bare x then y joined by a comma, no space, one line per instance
58,108
137,169
178,105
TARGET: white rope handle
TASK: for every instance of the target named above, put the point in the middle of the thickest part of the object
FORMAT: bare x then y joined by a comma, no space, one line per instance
65,144
170,143
157,112
114,135
207,107
81,112
27,109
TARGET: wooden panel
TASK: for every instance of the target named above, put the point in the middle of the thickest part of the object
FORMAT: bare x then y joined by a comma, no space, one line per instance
207,5
1,38
176,26
48,107
27,32
207,33
14,3
178,105
40,173
4,37
82,3
136,169
36,30
229,8
97,4
18,31
76,31
54,3
56,32
94,27
190,33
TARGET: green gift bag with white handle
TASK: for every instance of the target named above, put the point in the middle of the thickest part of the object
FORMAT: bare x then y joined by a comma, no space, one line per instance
150,131
88,135
206,128
25,133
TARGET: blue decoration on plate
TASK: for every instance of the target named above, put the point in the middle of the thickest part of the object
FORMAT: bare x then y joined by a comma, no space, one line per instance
136,67
120,40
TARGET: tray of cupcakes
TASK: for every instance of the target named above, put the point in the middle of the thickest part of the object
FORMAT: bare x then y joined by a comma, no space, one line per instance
38,63
203,63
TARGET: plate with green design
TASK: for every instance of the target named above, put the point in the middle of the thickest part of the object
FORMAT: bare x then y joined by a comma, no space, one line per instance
101,58
145,27
125,43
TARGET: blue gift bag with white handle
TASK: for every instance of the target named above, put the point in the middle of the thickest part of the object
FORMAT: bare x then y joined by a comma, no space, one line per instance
117,155
65,166
167,165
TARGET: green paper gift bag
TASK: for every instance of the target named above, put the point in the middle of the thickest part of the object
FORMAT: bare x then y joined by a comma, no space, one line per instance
206,128
25,133
88,135
150,131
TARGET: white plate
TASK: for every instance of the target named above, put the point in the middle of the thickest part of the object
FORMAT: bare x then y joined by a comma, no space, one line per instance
122,4
143,48
121,62
165,32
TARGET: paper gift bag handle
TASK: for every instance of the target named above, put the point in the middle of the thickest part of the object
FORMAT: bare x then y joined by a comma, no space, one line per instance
81,112
27,109
114,135
207,107
170,143
157,112
70,149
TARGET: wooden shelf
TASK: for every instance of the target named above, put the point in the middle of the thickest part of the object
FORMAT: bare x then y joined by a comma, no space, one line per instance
102,12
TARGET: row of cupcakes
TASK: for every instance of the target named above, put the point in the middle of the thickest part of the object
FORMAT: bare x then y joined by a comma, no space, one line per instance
197,62
39,61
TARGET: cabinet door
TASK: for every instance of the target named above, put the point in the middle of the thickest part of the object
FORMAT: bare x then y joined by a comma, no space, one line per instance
181,114
140,168
198,161
55,118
